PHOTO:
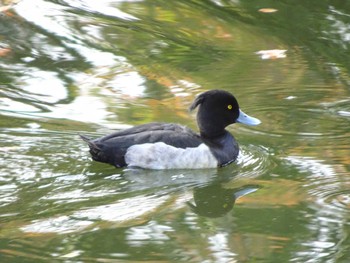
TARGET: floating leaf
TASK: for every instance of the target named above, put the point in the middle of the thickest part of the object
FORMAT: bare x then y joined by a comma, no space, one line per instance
272,54
4,51
267,10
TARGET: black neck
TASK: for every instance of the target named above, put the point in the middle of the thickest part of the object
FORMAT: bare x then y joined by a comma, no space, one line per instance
223,147
213,129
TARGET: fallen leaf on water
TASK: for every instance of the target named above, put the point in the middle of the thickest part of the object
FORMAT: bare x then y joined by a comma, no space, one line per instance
272,54
4,51
267,10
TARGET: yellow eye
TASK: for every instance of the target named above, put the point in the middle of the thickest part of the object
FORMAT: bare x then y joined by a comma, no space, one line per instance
229,107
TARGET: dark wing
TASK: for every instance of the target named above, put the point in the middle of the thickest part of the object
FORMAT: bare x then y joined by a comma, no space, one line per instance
112,148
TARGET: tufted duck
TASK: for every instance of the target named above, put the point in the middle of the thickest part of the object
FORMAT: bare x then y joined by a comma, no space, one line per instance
171,146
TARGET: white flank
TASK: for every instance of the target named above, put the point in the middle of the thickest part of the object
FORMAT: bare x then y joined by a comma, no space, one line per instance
163,156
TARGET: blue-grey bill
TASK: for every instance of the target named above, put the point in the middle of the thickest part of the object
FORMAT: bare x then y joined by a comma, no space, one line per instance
246,119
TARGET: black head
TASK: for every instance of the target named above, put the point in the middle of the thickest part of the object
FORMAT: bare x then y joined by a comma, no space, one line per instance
218,109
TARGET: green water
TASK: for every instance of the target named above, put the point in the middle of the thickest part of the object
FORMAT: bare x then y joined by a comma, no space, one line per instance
91,67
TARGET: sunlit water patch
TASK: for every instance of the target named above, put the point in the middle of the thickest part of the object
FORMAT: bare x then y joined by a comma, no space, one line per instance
50,75
328,198
128,211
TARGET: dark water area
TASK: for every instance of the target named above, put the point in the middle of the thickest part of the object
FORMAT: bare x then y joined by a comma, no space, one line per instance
92,67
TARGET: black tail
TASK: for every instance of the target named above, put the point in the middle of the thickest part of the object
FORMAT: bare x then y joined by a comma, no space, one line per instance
105,153
94,149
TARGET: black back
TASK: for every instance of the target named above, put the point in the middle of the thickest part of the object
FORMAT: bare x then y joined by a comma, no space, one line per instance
112,148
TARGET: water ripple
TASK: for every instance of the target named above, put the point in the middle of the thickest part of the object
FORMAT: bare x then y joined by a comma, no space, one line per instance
254,161
328,186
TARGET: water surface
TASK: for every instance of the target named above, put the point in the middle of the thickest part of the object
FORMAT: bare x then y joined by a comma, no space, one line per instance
70,67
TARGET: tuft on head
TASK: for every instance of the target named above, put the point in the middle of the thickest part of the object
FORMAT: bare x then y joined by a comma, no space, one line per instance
198,100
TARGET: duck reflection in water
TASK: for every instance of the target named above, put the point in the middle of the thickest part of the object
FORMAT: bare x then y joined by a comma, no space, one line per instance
215,201
211,195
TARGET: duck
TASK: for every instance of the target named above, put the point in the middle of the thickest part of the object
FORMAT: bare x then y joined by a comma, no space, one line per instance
159,145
